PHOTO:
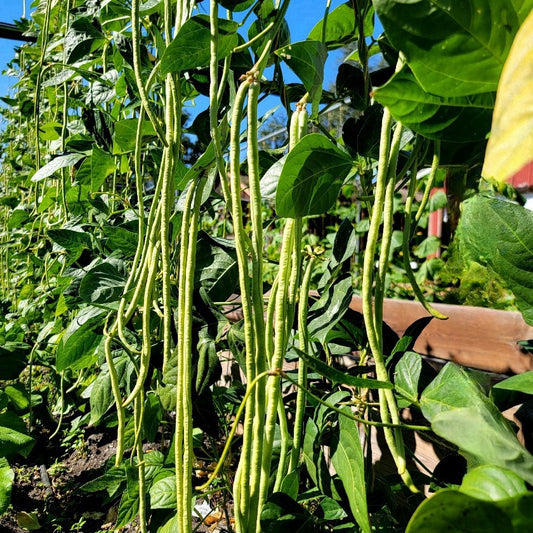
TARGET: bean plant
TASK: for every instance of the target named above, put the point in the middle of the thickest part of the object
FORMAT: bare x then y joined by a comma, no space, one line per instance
122,255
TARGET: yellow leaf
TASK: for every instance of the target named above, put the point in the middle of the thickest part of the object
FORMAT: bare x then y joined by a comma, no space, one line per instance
510,146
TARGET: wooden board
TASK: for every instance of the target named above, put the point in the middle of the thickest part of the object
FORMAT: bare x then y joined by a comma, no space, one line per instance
485,339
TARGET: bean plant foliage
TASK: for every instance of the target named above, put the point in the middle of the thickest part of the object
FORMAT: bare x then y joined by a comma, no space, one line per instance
149,243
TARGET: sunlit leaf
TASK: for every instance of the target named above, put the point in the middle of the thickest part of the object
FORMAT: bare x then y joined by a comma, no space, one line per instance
191,47
348,460
453,48
57,163
499,233
510,146
6,482
311,177
307,59
452,118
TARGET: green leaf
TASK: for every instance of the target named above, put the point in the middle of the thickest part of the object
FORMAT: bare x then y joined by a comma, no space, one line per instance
78,346
521,383
449,118
190,48
512,391
406,377
6,482
126,132
13,436
121,239
520,510
57,163
339,377
311,178
307,59
453,48
281,514
79,351
70,239
18,396
329,309
82,37
270,179
492,483
102,165
348,460
103,284
151,6
410,335
101,399
499,233
452,388
153,414
450,511
345,243
342,26
163,493
427,247
510,146
332,510
112,481
129,504
485,434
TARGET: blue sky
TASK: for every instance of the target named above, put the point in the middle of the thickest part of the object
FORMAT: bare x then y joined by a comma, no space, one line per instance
10,10
301,16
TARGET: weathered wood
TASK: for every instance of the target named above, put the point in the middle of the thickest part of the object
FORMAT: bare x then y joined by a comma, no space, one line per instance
480,338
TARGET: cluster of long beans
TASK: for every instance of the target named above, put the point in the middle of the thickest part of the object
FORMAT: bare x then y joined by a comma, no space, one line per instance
152,268
374,279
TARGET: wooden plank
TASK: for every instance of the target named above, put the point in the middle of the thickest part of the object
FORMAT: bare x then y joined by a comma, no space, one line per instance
480,338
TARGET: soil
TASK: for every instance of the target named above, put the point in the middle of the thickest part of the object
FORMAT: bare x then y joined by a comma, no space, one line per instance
46,490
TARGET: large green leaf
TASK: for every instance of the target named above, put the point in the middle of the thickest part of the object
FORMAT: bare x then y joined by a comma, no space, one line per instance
311,178
101,399
492,483
510,146
191,48
79,351
73,240
454,48
13,436
451,118
163,493
17,218
452,388
102,165
487,436
126,132
55,164
348,460
307,59
102,284
122,239
450,511
499,233
78,346
83,36
6,482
